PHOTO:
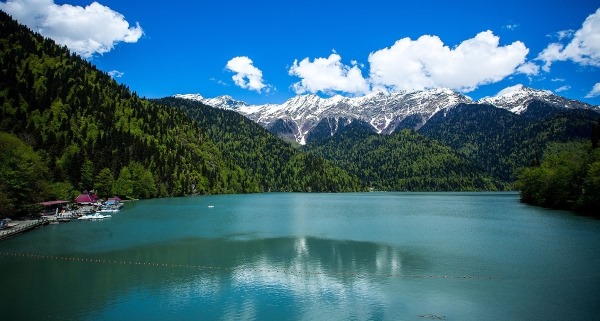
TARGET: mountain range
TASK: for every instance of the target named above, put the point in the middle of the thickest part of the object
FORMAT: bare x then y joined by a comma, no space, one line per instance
301,117
67,126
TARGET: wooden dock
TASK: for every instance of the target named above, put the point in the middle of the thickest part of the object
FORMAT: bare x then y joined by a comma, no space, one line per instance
22,228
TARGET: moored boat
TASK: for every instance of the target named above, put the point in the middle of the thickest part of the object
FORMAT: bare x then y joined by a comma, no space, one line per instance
95,216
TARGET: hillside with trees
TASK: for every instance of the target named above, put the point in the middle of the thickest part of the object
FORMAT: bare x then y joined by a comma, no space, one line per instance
402,161
275,164
568,177
499,141
89,132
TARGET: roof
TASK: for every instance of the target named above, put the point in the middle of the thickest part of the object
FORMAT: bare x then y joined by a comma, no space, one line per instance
50,203
85,198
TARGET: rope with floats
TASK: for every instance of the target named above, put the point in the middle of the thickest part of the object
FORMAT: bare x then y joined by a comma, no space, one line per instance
217,268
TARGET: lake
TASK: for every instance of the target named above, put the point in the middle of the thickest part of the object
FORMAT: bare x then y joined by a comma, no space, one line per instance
293,256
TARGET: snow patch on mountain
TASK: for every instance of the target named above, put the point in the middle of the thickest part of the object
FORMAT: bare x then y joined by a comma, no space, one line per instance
384,111
516,99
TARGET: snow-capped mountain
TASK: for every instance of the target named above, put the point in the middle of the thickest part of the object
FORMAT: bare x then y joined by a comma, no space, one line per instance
516,99
385,112
224,102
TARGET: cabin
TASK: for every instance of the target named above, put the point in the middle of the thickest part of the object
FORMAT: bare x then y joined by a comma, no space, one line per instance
114,201
86,198
53,207
86,202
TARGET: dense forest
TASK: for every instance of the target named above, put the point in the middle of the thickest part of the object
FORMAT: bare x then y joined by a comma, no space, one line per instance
275,164
568,177
79,129
500,142
469,147
402,161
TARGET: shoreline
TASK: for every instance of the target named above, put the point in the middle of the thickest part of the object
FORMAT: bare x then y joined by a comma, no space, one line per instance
22,227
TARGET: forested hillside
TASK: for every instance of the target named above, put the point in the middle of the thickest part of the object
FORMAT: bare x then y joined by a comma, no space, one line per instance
91,133
499,141
402,161
275,164
568,177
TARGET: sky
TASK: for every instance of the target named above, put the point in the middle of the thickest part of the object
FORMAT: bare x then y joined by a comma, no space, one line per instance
269,51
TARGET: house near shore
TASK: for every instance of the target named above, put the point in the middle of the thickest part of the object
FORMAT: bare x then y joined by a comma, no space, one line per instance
114,201
53,207
86,198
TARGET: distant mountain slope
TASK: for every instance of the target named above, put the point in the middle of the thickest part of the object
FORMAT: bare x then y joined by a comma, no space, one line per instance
500,141
301,114
299,117
274,164
516,99
402,161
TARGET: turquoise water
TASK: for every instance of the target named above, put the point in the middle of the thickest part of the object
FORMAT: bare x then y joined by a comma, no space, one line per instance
363,256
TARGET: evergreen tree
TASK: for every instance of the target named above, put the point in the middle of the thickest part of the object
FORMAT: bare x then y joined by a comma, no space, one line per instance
104,183
23,177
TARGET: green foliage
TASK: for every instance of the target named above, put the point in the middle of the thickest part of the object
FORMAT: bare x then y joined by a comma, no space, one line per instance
567,178
269,163
87,126
142,182
87,175
23,177
499,141
104,183
62,191
124,184
403,161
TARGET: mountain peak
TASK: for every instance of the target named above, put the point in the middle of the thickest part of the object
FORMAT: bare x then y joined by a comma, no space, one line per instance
384,111
196,97
516,99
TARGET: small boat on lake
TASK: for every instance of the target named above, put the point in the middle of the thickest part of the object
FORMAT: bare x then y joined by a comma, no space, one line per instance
107,210
95,216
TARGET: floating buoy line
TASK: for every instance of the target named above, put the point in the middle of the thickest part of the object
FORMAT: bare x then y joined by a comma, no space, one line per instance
213,268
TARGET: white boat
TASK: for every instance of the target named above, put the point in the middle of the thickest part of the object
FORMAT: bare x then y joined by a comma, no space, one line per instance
95,216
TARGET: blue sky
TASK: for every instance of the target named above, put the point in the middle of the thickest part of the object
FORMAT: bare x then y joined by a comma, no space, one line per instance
269,51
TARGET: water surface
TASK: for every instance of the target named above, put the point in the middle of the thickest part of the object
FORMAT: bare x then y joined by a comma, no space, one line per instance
363,256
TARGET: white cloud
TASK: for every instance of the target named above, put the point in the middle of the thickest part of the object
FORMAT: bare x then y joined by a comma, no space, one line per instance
115,74
427,63
584,48
511,26
563,34
328,75
529,68
562,88
246,75
85,30
595,92
219,81
557,79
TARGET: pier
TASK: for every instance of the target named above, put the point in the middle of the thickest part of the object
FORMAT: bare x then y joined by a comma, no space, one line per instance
22,228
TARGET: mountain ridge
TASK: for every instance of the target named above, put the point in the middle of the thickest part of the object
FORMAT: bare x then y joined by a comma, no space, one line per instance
385,112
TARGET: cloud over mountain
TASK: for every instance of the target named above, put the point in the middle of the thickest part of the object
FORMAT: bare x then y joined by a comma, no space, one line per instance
328,75
428,63
418,64
246,76
584,48
94,29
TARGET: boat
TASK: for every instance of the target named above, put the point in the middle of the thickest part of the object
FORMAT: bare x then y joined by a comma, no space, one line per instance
95,216
107,210
4,223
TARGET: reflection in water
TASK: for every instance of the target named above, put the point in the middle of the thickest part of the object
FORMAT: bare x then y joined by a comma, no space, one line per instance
242,279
